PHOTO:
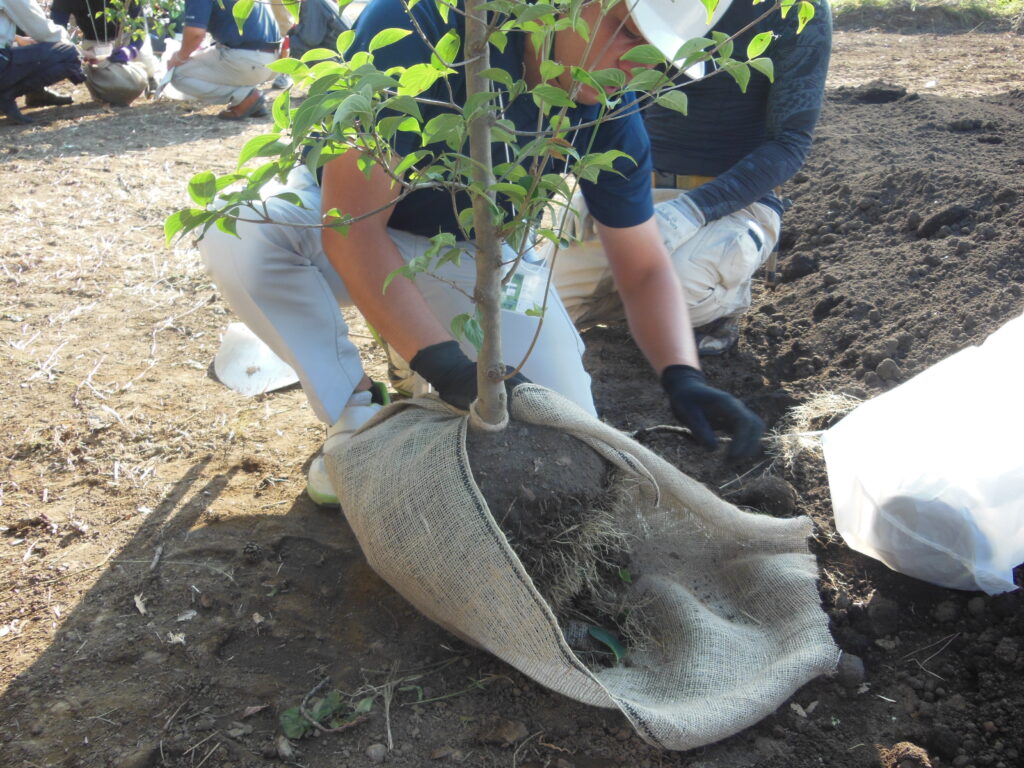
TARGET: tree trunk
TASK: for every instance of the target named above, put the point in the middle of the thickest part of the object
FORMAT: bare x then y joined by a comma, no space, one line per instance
491,400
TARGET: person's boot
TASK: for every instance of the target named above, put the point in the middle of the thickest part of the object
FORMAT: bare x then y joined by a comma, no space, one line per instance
361,408
252,105
44,97
9,108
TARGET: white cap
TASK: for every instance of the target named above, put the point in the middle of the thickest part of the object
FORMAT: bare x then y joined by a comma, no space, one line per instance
667,24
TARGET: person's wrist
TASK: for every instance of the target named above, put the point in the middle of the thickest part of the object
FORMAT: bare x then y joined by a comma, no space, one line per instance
675,375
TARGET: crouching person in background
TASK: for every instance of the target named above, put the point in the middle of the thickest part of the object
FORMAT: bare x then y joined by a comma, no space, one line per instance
28,64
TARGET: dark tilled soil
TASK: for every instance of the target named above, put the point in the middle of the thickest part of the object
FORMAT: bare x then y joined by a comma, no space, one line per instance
168,591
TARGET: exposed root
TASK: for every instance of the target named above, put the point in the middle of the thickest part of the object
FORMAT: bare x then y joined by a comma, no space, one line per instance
799,433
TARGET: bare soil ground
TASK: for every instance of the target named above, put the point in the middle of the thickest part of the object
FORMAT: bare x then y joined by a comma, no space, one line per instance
168,591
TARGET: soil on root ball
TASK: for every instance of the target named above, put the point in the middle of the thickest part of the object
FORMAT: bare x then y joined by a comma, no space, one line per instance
560,505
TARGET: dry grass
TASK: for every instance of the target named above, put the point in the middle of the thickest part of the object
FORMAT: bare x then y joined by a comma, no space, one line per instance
798,435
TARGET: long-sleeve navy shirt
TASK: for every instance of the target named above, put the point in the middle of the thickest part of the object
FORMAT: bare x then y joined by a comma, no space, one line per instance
751,142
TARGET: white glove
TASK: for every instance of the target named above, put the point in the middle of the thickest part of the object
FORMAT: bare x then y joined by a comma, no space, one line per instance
678,219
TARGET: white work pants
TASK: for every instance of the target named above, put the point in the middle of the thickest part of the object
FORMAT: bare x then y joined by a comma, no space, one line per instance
715,267
222,75
278,280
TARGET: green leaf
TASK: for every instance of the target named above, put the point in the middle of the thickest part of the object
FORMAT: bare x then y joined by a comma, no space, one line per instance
387,37
674,100
473,332
447,48
740,73
417,79
644,54
289,66
344,41
805,14
625,575
786,6
316,54
710,6
499,40
646,80
405,104
228,225
202,188
293,724
613,78
759,44
326,706
281,110
364,706
443,9
260,146
551,70
498,76
765,67
410,160
610,640
241,11
536,11
723,43
552,95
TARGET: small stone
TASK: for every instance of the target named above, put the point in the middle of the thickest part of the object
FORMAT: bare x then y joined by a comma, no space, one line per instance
377,752
976,606
872,379
883,615
850,671
1007,650
502,732
800,265
946,611
775,331
143,757
889,370
829,279
874,315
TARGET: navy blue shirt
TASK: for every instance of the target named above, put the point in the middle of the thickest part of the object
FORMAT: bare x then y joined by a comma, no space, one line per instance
215,17
615,200
753,141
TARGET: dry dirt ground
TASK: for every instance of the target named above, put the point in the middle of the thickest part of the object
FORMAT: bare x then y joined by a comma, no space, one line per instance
168,590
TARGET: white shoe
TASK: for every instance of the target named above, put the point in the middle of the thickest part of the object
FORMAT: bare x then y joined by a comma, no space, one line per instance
318,483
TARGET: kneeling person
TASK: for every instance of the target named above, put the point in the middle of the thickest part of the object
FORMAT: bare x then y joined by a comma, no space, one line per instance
716,172
230,70
287,282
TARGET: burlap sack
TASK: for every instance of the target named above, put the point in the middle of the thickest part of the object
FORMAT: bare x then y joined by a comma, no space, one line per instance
113,83
735,599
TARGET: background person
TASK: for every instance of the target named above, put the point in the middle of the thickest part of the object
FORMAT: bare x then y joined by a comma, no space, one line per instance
30,63
109,38
229,71
717,170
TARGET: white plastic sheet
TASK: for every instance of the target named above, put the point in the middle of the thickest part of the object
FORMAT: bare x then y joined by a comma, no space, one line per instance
248,366
929,477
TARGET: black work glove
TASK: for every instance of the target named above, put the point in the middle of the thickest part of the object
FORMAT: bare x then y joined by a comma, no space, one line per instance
702,407
447,369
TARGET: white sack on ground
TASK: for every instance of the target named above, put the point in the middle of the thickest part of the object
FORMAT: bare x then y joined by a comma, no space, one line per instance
929,477
733,594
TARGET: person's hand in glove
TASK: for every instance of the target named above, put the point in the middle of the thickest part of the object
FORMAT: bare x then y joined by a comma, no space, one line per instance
123,55
702,408
447,369
678,219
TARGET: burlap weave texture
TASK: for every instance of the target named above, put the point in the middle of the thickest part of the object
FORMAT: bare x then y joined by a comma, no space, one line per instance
732,594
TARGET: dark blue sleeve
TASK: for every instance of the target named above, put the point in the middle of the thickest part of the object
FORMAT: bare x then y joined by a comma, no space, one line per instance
197,13
622,199
794,103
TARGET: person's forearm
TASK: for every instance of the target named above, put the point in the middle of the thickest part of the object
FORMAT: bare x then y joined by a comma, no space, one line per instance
191,39
651,295
366,255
